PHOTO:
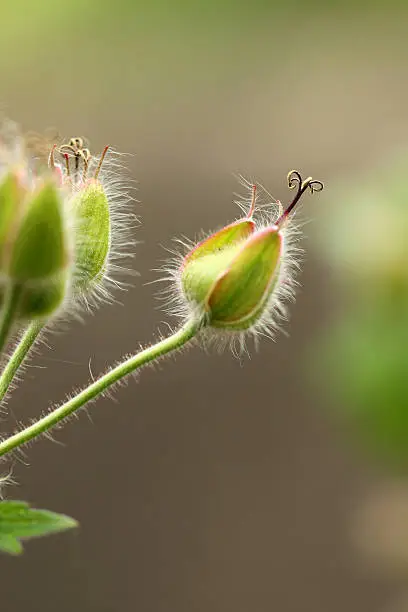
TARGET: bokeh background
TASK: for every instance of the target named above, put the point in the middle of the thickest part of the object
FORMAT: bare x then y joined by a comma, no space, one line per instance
272,483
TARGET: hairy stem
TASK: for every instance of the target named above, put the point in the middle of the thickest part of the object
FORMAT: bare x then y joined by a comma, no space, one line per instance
8,312
20,353
172,343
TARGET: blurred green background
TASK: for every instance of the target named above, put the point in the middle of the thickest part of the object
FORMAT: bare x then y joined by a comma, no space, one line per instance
278,483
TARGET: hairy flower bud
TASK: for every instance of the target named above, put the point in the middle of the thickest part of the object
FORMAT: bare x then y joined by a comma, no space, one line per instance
101,227
232,279
39,248
34,238
63,223
92,236
240,293
39,253
236,278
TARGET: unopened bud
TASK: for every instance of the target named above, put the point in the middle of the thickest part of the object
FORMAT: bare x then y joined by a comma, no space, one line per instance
92,235
39,249
241,292
39,254
236,276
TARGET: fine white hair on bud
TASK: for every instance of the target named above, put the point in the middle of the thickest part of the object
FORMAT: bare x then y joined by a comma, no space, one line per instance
239,279
100,206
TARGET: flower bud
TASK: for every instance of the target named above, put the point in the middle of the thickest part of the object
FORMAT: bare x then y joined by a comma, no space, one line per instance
237,276
92,235
102,227
78,206
39,253
39,248
232,273
240,293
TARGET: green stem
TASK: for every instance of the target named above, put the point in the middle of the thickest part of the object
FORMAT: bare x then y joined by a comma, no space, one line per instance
20,353
172,343
9,311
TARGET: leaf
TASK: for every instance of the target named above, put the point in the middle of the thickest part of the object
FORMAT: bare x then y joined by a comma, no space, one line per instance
11,545
18,520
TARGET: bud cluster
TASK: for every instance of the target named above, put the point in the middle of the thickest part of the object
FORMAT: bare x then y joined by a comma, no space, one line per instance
58,225
61,226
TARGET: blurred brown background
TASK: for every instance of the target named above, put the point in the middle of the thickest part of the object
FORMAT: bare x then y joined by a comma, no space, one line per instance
211,484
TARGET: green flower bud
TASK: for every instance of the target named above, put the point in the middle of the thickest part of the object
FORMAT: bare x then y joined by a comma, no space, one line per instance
92,236
39,249
34,238
232,279
102,227
238,276
39,254
239,294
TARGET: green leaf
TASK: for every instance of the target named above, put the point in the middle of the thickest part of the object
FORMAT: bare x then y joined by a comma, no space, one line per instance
11,545
18,520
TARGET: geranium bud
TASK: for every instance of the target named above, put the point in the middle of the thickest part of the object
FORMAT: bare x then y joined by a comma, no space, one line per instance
92,235
102,226
39,249
240,293
238,275
39,259
64,228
